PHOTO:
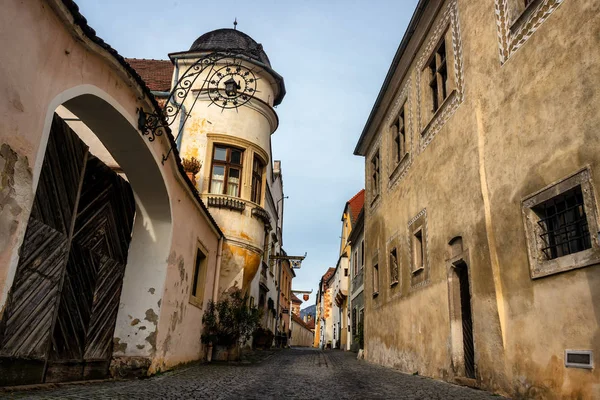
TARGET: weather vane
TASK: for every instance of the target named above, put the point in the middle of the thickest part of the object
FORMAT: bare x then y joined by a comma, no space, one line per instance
235,24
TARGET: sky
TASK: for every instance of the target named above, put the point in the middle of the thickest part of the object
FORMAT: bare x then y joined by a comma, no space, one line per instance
333,55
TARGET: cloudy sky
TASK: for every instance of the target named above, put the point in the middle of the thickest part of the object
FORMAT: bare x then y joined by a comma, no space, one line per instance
333,55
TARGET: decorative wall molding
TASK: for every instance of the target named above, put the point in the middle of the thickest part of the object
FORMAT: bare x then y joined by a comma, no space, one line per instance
226,202
512,37
397,171
450,21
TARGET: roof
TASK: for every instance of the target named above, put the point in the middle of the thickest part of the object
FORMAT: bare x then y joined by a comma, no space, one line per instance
328,274
359,150
156,73
358,227
90,33
299,321
231,39
311,324
295,299
356,203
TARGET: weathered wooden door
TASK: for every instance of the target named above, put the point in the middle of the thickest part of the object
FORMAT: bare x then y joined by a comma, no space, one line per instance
61,311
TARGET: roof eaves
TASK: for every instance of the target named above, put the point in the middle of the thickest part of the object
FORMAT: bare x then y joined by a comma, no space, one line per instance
358,150
81,22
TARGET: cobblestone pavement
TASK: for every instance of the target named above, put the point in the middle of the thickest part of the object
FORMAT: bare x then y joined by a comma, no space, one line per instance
288,374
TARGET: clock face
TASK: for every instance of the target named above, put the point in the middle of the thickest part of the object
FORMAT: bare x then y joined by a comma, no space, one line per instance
231,85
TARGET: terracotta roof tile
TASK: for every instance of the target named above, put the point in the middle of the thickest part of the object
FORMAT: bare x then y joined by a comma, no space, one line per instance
156,73
356,204
299,321
295,299
328,274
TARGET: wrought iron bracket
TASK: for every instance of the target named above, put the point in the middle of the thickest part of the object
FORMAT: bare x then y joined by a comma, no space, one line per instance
228,83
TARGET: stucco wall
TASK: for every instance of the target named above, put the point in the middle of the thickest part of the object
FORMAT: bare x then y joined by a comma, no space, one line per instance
301,337
60,65
514,128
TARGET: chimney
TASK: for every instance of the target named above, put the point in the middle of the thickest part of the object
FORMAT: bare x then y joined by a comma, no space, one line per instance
277,168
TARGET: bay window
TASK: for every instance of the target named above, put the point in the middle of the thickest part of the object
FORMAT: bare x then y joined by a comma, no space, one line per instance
226,171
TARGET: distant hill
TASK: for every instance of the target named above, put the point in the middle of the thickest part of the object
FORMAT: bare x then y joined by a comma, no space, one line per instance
310,310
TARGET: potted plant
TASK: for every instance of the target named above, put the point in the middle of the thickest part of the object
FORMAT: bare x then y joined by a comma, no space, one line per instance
191,167
228,323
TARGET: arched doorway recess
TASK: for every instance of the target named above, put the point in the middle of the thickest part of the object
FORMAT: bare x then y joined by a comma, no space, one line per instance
78,275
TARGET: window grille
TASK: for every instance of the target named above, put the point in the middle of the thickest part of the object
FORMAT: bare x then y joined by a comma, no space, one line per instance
564,224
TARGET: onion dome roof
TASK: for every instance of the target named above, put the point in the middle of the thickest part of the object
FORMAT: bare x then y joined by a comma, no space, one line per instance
231,39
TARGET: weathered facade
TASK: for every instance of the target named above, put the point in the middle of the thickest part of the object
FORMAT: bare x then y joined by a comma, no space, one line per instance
237,178
357,271
95,270
481,219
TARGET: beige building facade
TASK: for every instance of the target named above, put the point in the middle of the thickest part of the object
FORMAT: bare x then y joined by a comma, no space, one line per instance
481,218
132,263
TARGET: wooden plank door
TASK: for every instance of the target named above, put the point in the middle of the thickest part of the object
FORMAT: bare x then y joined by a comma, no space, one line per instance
61,311
82,339
33,300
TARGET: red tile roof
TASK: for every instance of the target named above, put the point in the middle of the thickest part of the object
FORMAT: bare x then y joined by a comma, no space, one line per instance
328,274
156,73
356,203
311,324
299,321
295,299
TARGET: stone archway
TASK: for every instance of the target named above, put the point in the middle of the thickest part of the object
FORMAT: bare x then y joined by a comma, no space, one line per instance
146,259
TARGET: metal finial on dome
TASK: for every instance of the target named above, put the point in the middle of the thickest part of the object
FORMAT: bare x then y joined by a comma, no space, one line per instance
235,24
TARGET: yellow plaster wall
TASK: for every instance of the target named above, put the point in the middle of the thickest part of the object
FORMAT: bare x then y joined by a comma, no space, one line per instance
522,125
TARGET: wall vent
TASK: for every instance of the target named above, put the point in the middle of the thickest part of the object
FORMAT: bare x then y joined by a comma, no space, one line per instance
579,359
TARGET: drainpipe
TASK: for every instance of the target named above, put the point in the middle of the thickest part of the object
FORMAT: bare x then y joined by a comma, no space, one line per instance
218,270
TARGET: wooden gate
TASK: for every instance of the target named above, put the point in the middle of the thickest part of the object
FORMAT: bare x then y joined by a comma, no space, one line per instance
61,311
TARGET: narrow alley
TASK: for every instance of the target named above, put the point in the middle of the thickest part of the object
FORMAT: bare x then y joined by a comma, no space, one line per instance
293,374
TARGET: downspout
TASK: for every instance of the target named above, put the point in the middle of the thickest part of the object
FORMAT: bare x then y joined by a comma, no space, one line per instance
215,295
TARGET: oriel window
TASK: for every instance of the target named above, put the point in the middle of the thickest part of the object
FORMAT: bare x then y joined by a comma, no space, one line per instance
226,172
257,178
439,76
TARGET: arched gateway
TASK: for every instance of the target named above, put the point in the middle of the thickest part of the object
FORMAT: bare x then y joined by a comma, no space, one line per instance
93,274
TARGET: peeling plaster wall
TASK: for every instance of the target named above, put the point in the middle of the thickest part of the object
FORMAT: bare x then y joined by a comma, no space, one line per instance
521,126
155,323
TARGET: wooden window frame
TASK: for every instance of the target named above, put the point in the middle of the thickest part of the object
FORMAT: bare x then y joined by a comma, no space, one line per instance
227,165
437,67
394,267
375,280
398,130
198,282
418,250
375,174
257,180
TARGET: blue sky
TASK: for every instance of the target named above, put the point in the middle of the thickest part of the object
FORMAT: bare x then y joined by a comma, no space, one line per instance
333,55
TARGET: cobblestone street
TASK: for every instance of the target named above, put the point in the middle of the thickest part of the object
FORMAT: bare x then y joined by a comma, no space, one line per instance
288,374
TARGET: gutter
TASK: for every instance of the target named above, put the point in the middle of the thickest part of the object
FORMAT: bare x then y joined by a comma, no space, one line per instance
412,25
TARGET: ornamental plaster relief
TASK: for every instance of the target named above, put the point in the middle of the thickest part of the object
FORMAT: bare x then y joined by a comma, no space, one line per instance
397,171
513,34
449,21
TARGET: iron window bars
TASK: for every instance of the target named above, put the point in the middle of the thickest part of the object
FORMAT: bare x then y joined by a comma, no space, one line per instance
564,224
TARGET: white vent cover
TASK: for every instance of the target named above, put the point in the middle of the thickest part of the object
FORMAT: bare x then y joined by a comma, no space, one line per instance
579,359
